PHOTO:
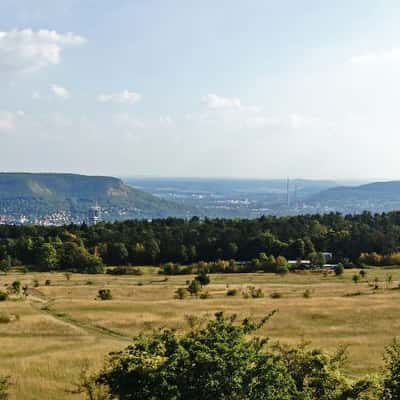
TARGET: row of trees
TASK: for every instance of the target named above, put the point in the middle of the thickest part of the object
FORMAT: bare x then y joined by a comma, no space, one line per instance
139,242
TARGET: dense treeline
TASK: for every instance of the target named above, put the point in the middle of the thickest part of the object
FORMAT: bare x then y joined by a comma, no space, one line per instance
139,242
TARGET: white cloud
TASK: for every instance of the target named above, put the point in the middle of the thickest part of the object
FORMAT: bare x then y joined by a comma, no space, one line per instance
166,120
377,57
8,121
215,102
28,50
61,92
125,97
36,95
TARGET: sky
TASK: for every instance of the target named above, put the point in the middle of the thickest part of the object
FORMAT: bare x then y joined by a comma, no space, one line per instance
211,88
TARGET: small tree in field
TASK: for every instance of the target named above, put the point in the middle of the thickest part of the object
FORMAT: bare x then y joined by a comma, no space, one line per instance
363,273
16,287
389,280
194,288
105,294
339,270
203,278
356,278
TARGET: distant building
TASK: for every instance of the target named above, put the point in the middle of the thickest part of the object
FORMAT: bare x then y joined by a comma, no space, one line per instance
94,215
328,255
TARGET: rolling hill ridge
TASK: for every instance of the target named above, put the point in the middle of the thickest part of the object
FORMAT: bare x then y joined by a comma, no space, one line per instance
37,194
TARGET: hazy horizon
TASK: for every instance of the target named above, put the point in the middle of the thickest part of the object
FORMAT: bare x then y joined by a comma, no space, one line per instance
194,177
173,89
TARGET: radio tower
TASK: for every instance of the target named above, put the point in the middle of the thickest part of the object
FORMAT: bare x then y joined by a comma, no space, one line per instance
288,192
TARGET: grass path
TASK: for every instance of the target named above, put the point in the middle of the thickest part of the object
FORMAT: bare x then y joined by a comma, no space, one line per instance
42,303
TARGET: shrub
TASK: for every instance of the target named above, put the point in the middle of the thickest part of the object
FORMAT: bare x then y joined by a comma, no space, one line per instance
105,294
181,293
216,362
282,269
3,296
4,385
205,295
124,271
48,282
5,318
307,294
339,270
253,292
232,292
203,278
16,287
223,360
391,381
276,295
194,287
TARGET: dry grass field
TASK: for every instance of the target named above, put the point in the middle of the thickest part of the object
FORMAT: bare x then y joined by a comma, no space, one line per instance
62,327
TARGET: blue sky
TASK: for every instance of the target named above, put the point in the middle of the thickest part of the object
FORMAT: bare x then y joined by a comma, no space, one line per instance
201,88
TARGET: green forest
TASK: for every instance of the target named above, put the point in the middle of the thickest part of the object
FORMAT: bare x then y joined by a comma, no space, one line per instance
367,238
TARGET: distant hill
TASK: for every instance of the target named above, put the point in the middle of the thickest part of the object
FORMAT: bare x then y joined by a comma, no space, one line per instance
36,194
374,197
377,191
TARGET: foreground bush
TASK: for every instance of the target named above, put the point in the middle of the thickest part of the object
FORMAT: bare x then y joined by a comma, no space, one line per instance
3,388
220,362
391,382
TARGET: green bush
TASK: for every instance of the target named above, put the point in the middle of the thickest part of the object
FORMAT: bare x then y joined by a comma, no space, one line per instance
205,295
339,270
3,296
16,287
252,292
224,360
232,292
391,381
5,318
105,294
4,385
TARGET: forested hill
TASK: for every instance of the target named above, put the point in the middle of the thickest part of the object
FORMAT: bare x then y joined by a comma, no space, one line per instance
377,191
35,194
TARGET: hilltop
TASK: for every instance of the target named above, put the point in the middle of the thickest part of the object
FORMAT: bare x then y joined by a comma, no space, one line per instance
375,197
377,191
39,194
